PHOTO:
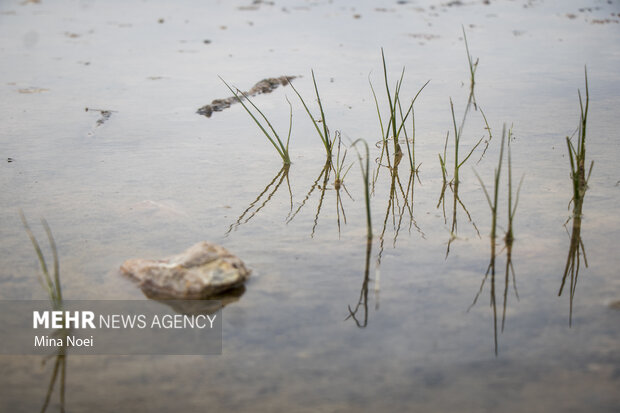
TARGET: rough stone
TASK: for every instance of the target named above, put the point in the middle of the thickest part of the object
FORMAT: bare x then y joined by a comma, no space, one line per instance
202,271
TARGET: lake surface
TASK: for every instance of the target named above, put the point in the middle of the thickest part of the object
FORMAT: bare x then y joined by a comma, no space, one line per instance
154,178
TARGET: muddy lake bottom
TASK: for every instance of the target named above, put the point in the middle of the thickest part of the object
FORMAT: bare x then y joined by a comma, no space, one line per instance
413,320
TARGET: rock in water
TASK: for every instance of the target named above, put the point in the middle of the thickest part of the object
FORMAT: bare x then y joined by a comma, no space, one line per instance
202,271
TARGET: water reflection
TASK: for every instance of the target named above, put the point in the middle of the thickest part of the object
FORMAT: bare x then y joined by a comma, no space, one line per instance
490,273
361,320
322,183
580,178
266,195
340,171
399,205
207,306
324,174
60,365
576,250
456,203
508,239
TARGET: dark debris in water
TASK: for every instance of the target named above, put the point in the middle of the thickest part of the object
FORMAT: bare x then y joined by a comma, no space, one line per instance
105,115
264,86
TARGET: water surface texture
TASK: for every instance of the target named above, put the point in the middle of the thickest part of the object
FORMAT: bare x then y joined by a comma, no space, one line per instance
409,322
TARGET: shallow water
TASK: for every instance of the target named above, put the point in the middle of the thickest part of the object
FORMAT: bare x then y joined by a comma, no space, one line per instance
156,177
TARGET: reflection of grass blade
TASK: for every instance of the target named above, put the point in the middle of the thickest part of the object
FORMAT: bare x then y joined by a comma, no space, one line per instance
326,169
277,180
59,360
365,167
363,300
279,146
321,198
494,203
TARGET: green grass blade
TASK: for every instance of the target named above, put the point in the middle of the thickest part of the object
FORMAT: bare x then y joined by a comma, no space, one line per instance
325,130
50,238
275,134
314,122
484,188
45,279
378,110
281,148
290,125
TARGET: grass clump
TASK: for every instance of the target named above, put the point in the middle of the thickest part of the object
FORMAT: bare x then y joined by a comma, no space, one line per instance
396,124
272,136
579,177
512,209
577,156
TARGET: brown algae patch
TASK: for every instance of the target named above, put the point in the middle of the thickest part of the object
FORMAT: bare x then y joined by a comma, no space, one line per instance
267,85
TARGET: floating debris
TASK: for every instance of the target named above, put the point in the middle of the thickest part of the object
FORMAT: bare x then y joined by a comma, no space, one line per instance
105,115
425,36
30,90
264,86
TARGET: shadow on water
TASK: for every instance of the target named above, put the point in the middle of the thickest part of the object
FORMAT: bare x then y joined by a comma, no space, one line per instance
52,285
580,178
263,198
208,306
